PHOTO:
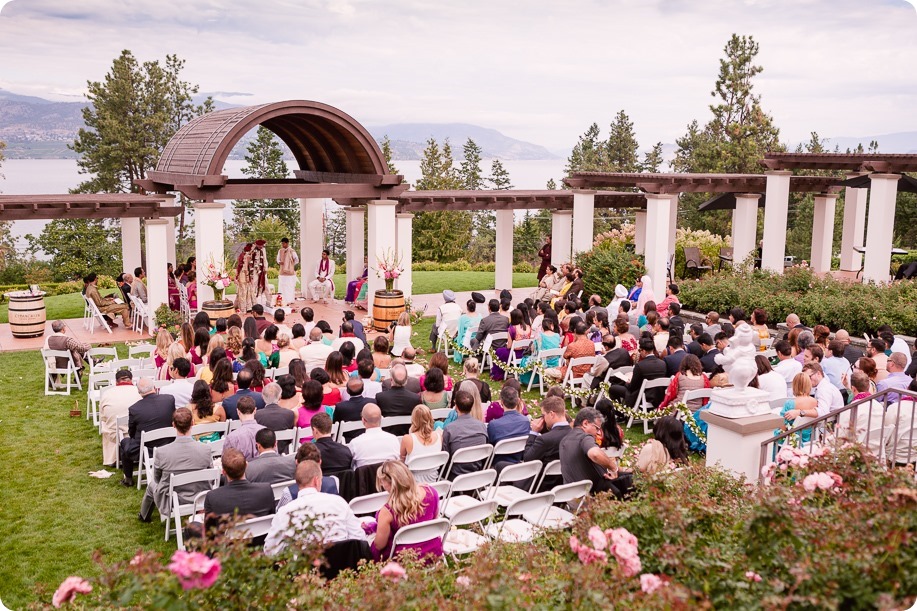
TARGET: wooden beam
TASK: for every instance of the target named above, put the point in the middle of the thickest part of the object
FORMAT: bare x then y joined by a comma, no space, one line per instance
290,190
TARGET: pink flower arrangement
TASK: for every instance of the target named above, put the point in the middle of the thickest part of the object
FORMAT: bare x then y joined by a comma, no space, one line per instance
68,590
194,570
393,571
823,480
619,542
752,576
216,276
649,583
463,581
389,266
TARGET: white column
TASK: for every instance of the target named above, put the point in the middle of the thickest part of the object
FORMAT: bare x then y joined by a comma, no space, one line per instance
208,240
157,287
658,218
311,238
640,232
130,244
170,241
561,232
583,220
381,241
354,221
823,232
673,224
503,268
883,192
854,227
405,238
777,198
744,226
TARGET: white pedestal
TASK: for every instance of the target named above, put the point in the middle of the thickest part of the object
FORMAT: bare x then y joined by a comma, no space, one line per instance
734,444
735,403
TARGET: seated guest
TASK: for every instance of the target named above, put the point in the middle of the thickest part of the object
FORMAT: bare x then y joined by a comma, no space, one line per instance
181,387
398,401
875,350
400,334
280,317
447,317
307,451
650,367
422,440
800,405
708,360
494,322
471,370
497,408
769,380
269,467
366,373
661,334
315,353
351,409
312,395
434,395
107,306
464,432
353,287
695,331
238,498
358,331
415,370
335,456
713,324
581,346
243,438
674,354
690,376
374,445
668,446
272,415
59,341
547,433
611,358
409,503
115,402
828,397
786,366
151,412
204,411
183,455
138,288
511,424
581,459
244,382
347,335
327,517
261,322
896,378
321,287
676,322
381,358
851,353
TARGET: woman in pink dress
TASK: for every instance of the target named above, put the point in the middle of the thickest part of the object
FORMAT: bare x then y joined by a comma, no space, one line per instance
408,504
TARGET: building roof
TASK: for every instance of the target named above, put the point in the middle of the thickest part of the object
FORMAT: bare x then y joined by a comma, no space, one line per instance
86,206
851,162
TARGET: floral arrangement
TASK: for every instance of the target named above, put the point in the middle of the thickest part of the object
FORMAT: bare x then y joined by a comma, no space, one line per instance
389,268
216,277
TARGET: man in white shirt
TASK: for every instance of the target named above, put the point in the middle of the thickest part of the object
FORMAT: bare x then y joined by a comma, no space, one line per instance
329,515
181,387
315,353
375,445
415,370
347,335
829,398
322,285
287,260
787,366
446,317
115,402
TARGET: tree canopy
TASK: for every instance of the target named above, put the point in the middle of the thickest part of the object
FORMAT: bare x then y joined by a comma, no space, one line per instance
264,159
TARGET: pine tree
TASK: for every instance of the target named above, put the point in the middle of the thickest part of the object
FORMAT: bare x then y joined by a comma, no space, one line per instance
652,160
441,235
621,148
336,233
551,184
264,159
470,170
499,177
389,155
587,155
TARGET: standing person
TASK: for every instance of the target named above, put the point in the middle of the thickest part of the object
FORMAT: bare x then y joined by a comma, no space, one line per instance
245,298
287,260
322,287
262,292
545,255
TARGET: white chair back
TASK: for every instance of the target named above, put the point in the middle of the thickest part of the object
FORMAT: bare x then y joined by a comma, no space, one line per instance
53,383
520,473
425,462
488,344
569,378
505,447
92,315
287,435
368,504
145,462
396,421
279,487
474,514
552,469
703,394
470,482
177,480
441,413
480,453
210,427
442,487
420,533
644,405
98,358
543,357
251,528
570,492
347,427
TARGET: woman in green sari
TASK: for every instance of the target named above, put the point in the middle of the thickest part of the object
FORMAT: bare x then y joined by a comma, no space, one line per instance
548,340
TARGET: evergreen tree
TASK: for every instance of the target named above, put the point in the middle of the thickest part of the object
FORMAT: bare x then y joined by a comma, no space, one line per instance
264,159
652,160
389,155
551,184
77,247
499,177
621,148
587,155
336,233
529,236
441,235
470,170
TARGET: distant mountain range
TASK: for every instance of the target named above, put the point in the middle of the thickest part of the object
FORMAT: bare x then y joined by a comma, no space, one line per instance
410,139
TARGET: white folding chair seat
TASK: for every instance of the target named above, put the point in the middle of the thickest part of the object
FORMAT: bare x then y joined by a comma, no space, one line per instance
251,528
368,504
421,532
70,376
515,530
425,462
462,540
486,361
543,357
558,517
507,447
348,427
472,454
179,510
470,482
145,463
89,322
503,492
99,359
644,405
569,380
279,487
550,469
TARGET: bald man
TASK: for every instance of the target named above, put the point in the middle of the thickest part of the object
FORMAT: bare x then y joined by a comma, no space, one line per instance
851,353
375,446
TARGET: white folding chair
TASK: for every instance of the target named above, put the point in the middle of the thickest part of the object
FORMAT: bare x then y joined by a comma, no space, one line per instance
157,384
519,344
570,381
552,469
698,393
472,454
145,463
421,532
486,361
144,352
621,374
426,462
506,447
89,322
470,332
100,359
97,382
776,404
279,487
503,492
558,517
515,530
233,425
385,374
184,306
543,357
461,541
280,371
216,448
179,509
349,427
395,421
120,431
644,405
149,374
441,413
53,373
287,435
210,427
443,487
368,504
251,528
301,433
469,482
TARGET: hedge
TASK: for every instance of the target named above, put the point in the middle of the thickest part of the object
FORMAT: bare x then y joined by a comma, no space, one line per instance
60,288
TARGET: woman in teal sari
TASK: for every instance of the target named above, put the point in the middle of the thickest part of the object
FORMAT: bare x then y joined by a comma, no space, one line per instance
465,322
548,340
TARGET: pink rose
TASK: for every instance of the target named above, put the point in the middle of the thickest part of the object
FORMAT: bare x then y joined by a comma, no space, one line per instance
621,535
194,570
631,566
598,538
810,483
394,571
588,555
752,576
463,580
824,481
837,478
68,590
649,583
625,550
574,544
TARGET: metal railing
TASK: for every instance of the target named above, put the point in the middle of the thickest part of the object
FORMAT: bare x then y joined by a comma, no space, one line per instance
889,434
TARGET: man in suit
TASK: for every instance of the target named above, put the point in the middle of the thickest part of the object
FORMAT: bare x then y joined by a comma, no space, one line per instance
851,353
273,416
675,354
464,432
547,433
695,331
511,424
676,322
183,455
494,322
612,357
398,401
351,410
358,331
335,456
650,367
710,352
148,414
244,382
269,467
238,497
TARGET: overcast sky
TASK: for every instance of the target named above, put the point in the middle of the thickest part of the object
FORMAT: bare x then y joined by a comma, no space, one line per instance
535,70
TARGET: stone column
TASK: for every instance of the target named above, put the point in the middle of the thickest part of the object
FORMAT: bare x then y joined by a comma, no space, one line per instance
170,241
311,239
405,232
640,232
883,193
775,213
381,241
658,217
130,244
823,232
854,227
354,221
503,267
744,226
583,220
208,239
561,232
673,225
157,287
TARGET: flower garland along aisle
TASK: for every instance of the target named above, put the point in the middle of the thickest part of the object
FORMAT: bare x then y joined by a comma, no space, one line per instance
679,410
217,278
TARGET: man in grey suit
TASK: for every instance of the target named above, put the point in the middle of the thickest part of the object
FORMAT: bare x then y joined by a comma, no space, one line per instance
494,322
183,455
269,467
464,432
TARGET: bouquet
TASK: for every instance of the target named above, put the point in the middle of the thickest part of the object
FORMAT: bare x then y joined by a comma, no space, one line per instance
217,278
389,268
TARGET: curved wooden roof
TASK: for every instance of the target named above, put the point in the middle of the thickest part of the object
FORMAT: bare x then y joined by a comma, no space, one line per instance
321,137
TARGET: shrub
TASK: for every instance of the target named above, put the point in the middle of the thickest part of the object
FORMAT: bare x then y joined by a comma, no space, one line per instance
166,317
708,243
607,265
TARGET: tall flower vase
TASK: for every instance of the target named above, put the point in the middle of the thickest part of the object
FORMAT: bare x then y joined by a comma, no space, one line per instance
389,285
218,294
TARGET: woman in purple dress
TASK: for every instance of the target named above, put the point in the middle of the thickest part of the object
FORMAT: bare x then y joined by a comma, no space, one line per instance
408,504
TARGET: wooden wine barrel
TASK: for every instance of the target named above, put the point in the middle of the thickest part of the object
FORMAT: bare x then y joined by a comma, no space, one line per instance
27,313
386,308
218,309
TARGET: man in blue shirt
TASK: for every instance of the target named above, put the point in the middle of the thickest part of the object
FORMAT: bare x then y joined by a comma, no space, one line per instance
897,362
511,424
